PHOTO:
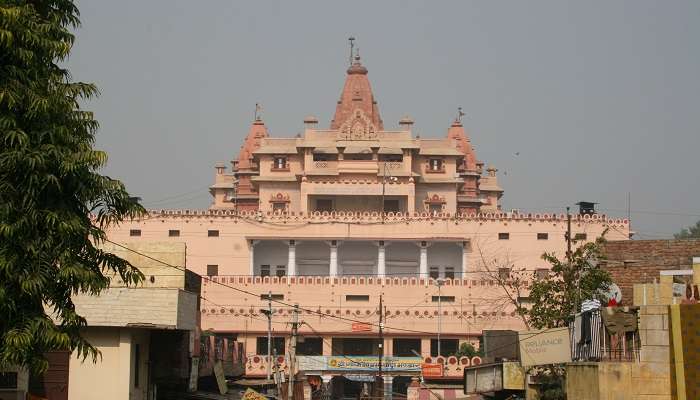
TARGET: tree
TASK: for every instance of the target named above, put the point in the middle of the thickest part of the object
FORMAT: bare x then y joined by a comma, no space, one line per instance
54,205
691,232
557,297
466,350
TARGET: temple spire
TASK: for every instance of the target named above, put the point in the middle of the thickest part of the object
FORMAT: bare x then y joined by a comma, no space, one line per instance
356,95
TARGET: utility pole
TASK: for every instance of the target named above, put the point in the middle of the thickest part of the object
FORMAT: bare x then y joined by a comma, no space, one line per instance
438,282
268,313
568,235
381,336
293,353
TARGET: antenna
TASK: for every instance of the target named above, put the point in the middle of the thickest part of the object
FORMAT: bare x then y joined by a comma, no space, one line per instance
351,39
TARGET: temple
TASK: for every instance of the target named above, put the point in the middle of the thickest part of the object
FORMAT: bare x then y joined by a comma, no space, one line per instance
357,166
338,220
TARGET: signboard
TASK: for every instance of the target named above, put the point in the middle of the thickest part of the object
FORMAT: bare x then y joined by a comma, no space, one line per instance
358,363
361,327
494,377
220,378
549,346
431,370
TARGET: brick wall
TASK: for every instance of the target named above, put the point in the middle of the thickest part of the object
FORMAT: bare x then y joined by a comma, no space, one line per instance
639,261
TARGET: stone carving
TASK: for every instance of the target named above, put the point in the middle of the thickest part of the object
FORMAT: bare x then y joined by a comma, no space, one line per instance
359,127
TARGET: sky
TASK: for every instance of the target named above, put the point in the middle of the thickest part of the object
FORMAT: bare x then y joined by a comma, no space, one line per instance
594,101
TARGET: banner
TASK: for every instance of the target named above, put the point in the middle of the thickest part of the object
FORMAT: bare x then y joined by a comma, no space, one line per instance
358,363
549,346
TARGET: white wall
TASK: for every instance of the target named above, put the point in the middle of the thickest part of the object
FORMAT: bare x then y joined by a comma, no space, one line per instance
310,255
272,253
402,253
445,255
351,252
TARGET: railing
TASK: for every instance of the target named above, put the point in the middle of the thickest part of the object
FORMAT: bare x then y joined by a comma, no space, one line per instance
324,164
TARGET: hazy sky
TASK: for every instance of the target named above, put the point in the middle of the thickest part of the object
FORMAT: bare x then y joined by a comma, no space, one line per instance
599,98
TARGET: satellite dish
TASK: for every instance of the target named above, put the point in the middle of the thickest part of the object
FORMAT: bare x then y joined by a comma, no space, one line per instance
614,292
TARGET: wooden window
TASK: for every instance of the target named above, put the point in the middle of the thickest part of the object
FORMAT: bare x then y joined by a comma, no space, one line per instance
279,207
444,299
450,272
356,297
434,208
543,236
503,236
212,270
391,205
277,345
264,270
135,232
213,233
436,165
434,272
580,236
273,296
280,163
281,270
174,233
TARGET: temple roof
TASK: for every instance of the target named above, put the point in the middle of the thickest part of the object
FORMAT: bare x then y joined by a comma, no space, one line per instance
357,94
252,142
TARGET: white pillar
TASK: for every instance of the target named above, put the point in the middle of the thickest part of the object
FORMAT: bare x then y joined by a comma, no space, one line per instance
251,269
334,259
465,258
292,259
423,260
381,260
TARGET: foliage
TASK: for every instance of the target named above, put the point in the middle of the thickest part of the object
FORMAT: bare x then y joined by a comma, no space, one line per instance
556,297
691,232
466,350
552,384
54,206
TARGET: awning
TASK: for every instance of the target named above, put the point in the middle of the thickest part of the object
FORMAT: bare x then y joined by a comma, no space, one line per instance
357,150
390,150
325,150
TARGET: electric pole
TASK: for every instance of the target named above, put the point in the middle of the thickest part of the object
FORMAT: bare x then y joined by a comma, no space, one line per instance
568,235
293,353
381,336
438,282
268,313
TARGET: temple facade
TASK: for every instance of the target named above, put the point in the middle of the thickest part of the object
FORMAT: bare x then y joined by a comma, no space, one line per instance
335,220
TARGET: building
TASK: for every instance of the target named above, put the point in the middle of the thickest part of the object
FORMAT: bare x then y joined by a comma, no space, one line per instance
148,335
334,220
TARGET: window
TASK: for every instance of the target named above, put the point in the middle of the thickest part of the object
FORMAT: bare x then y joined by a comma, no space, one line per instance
503,236
213,233
450,272
356,297
280,163
137,364
443,299
324,205
279,207
503,273
135,232
391,206
264,270
324,157
310,346
541,273
8,380
273,296
542,236
435,165
359,156
277,345
447,347
580,236
405,347
435,208
281,270
212,270
434,272
174,233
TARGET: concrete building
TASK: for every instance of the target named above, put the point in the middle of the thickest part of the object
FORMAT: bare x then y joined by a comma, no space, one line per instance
147,336
335,218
